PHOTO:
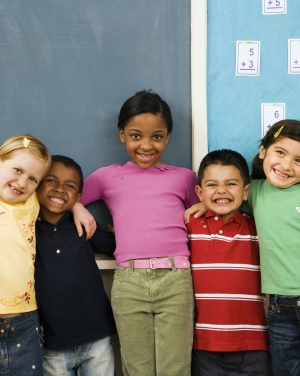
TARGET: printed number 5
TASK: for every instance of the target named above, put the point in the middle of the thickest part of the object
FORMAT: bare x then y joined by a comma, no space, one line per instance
277,3
251,52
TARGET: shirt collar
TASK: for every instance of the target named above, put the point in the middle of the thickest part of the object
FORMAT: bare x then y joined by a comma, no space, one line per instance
66,216
236,218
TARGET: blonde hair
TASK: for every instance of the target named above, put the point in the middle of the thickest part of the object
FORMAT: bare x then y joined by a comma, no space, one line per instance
27,142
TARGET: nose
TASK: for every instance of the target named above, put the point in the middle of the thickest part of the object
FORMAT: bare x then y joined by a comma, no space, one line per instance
59,188
221,190
146,144
286,164
22,181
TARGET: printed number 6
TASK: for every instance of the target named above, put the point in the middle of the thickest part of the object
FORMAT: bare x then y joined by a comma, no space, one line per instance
276,114
251,52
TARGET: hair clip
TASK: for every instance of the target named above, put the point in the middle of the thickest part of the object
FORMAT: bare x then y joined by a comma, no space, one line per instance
278,132
26,142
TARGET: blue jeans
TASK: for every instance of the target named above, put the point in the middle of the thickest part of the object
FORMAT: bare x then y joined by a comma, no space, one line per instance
154,313
21,349
91,359
284,334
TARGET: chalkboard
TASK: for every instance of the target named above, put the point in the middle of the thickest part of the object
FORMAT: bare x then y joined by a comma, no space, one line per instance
67,66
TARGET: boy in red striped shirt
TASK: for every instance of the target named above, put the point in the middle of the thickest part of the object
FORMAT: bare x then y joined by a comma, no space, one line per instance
230,336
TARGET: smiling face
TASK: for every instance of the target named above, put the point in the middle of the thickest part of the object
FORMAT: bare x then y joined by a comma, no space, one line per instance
145,137
20,176
281,162
222,190
58,192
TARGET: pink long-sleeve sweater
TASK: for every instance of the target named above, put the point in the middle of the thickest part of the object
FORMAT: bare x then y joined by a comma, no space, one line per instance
147,206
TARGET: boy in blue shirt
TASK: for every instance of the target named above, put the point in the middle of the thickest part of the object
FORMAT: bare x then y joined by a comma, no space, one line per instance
74,310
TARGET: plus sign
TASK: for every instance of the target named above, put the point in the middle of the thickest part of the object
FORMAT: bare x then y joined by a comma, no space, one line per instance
270,2
269,126
296,62
243,63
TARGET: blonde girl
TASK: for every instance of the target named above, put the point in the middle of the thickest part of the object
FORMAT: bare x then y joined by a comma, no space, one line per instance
24,161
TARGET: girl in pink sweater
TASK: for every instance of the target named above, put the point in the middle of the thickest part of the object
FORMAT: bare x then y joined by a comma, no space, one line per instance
152,293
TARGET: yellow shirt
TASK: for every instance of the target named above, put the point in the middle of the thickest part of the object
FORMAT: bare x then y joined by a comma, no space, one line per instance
17,255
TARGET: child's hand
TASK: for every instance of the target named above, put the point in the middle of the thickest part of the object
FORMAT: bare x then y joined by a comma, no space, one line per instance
199,209
82,217
110,228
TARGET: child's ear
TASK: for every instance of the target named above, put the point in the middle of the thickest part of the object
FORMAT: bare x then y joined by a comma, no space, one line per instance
245,193
167,138
122,135
79,197
262,152
198,191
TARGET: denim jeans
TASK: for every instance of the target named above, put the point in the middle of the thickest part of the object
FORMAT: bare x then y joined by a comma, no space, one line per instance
91,359
21,349
154,310
284,334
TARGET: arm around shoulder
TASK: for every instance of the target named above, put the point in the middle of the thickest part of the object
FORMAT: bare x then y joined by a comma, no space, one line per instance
103,241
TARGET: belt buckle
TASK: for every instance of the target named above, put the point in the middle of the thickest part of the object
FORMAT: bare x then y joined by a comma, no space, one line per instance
151,261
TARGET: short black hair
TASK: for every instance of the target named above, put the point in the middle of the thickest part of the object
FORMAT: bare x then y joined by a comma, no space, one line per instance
70,163
225,157
145,101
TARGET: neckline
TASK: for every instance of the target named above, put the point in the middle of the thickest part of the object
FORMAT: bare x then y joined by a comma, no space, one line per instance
151,168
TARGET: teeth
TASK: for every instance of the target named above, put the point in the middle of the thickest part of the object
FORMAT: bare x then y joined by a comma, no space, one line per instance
15,190
148,156
222,201
281,174
57,200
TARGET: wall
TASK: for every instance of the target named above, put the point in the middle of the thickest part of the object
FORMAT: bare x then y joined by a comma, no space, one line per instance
233,101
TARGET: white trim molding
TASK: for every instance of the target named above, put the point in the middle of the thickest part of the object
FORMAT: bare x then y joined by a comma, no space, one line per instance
198,81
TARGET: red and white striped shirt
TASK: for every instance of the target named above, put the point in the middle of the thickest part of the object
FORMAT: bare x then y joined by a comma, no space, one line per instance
230,313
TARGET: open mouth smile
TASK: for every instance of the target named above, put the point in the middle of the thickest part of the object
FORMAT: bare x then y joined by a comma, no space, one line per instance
56,200
222,201
281,175
146,157
15,190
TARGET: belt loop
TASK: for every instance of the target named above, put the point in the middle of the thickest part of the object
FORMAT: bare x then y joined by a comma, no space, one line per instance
131,267
172,263
275,300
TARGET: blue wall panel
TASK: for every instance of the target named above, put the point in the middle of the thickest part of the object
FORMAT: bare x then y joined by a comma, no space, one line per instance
234,118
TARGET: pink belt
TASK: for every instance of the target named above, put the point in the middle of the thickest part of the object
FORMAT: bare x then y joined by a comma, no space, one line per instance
181,262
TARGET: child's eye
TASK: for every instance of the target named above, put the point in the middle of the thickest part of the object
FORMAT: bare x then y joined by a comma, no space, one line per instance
135,136
280,152
231,184
33,180
70,186
17,170
157,137
297,161
211,185
51,181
